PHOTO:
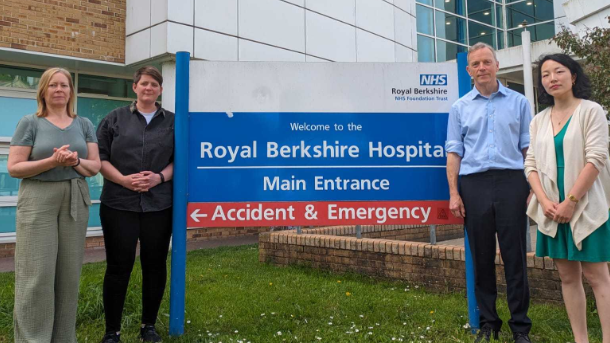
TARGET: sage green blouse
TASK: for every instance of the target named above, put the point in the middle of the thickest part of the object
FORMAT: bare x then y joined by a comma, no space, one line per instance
43,136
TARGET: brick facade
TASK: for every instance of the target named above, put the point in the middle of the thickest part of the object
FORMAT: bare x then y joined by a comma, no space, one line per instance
437,267
91,29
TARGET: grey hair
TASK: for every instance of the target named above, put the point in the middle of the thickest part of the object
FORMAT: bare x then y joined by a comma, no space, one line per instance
479,46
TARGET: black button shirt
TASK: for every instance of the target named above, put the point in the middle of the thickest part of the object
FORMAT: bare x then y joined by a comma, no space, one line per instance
132,146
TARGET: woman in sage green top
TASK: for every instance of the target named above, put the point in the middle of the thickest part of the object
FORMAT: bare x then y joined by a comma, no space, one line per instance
53,151
569,171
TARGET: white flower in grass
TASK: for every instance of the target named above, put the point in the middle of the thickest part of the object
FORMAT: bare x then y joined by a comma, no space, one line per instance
370,328
318,338
262,314
370,333
279,333
361,316
236,331
393,338
427,328
330,323
377,324
188,321
273,313
220,317
357,330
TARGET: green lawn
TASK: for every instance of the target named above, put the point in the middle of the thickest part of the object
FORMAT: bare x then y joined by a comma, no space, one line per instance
231,297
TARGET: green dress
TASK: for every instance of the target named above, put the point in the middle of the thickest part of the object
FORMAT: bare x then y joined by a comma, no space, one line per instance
595,248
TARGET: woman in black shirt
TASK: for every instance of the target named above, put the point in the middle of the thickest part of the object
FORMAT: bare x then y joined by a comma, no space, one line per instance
137,152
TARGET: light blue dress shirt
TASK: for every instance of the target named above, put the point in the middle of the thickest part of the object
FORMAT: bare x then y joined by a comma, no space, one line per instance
489,133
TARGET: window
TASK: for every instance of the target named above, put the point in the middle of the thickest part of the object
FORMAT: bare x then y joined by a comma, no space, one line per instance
21,78
425,49
532,11
537,33
120,88
450,27
446,51
425,20
481,10
95,110
481,33
500,39
453,6
13,109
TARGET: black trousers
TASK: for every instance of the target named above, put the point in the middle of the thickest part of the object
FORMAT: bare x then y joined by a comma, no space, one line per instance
495,203
122,230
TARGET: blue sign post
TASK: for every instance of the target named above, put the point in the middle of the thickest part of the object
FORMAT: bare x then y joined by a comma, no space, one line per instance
473,309
177,286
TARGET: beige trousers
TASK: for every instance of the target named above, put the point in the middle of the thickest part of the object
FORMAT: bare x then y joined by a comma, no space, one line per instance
51,228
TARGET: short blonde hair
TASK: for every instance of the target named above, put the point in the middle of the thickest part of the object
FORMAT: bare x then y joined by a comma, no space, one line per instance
43,84
479,46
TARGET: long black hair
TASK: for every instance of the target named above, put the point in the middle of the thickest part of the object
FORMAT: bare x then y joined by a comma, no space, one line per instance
582,86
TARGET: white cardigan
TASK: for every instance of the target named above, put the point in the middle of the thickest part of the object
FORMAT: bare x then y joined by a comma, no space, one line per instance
586,141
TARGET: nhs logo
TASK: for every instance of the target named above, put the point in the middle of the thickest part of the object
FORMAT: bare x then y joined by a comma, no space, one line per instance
433,79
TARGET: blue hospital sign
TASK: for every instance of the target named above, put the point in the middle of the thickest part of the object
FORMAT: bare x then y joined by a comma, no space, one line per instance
297,152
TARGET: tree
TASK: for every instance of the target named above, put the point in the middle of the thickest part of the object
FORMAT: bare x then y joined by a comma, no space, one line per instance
593,48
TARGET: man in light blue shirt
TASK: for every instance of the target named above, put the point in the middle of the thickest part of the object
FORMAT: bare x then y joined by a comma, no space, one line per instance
487,138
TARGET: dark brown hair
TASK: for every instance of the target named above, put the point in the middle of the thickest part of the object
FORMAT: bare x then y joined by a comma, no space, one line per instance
150,71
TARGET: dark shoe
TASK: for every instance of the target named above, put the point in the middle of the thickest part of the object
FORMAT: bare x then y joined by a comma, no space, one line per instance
485,333
111,337
521,338
149,334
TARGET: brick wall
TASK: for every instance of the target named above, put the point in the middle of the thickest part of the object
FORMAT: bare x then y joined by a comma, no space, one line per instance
413,233
92,29
437,267
205,234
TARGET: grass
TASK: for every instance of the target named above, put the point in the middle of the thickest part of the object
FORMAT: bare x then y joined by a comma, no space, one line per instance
231,297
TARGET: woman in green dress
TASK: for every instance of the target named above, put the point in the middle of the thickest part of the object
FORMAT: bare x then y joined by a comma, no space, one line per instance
568,169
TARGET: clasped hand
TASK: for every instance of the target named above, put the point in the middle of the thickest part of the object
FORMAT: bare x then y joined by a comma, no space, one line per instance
64,157
561,213
142,181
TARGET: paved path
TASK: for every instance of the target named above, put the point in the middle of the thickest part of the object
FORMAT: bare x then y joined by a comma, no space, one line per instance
7,264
